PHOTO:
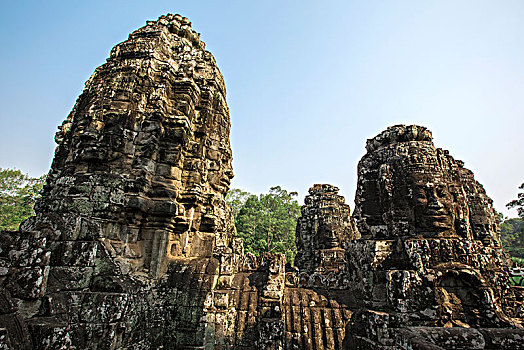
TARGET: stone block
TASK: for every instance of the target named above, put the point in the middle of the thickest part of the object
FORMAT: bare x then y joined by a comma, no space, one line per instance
68,278
73,253
100,308
28,282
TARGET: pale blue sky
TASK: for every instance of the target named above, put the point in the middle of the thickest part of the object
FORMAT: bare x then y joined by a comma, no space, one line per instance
308,81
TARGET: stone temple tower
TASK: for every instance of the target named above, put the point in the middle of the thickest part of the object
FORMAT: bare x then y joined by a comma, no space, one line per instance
132,231
133,245
323,230
144,158
430,255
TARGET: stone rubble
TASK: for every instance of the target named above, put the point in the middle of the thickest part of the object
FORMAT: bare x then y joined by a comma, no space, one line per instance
134,247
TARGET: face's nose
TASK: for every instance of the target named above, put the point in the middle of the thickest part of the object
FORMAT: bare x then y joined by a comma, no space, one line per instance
434,201
229,174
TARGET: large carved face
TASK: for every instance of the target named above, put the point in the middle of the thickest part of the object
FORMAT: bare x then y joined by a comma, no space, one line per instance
220,173
86,137
417,198
407,187
327,236
433,206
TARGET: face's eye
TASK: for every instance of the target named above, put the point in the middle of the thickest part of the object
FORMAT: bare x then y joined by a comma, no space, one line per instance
80,127
420,193
441,192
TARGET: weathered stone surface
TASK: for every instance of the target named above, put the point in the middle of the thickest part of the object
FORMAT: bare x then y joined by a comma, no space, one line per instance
459,338
133,245
430,254
323,230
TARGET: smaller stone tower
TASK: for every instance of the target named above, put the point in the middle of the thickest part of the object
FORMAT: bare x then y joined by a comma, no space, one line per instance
323,230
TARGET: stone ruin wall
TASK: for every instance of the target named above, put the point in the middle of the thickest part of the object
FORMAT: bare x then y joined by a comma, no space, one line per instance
134,247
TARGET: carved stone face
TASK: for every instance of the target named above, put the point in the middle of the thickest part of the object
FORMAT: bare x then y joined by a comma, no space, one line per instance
220,174
85,141
433,206
325,226
327,236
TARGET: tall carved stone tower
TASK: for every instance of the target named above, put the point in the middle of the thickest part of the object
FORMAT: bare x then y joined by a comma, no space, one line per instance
144,158
132,232
430,255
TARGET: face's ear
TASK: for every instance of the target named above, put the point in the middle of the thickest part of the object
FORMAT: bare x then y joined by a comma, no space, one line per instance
385,181
460,210
385,192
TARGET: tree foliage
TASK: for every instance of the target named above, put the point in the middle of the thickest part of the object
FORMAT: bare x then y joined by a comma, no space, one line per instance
267,222
512,236
236,199
18,193
518,203
512,230
517,261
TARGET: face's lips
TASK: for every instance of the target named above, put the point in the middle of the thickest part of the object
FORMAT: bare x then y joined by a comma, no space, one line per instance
434,221
439,217
331,242
440,222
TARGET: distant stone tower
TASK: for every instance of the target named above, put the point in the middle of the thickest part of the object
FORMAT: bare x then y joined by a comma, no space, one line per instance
323,230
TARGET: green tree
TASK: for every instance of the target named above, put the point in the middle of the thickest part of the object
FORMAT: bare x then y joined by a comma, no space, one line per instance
267,222
236,199
512,236
512,230
518,203
18,193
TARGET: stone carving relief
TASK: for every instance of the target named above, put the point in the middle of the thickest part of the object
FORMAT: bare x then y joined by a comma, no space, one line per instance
323,230
133,244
